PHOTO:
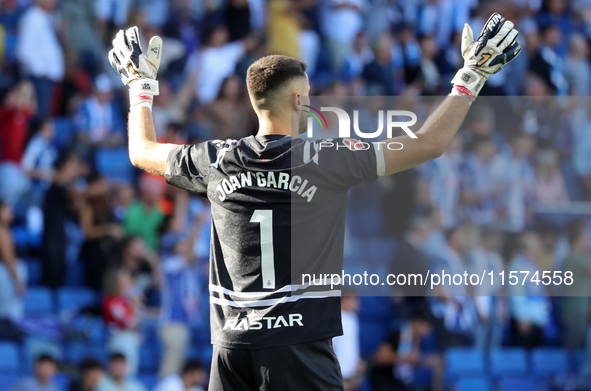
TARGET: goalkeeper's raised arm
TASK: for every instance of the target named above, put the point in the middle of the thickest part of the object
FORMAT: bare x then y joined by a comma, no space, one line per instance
138,71
495,47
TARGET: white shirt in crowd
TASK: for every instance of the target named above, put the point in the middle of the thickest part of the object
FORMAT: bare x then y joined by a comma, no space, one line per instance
346,346
213,65
343,19
38,48
174,383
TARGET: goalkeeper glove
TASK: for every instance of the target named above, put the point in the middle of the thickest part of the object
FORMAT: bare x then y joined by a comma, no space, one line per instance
137,70
495,47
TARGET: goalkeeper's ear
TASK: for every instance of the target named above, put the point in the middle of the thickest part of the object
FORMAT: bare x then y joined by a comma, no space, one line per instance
155,51
467,39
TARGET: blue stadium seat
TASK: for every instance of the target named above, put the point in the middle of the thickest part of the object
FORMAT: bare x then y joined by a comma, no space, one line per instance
114,164
75,299
508,362
79,351
473,383
371,335
92,327
463,362
9,380
577,360
9,358
75,275
20,235
518,384
378,308
148,380
64,132
34,271
38,300
549,362
149,360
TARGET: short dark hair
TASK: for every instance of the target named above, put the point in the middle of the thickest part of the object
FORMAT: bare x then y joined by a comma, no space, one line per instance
574,230
90,364
191,366
270,72
45,357
63,159
117,356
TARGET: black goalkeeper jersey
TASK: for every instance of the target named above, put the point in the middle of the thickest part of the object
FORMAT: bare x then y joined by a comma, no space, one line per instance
278,211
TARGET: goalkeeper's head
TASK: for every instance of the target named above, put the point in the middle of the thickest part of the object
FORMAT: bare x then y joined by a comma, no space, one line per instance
278,86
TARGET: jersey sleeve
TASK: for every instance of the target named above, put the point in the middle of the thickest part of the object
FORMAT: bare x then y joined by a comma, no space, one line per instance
187,167
350,161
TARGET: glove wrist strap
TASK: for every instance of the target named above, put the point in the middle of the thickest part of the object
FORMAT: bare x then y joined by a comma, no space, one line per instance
142,92
468,83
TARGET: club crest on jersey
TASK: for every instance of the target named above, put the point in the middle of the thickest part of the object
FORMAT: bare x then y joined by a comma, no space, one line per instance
254,322
353,144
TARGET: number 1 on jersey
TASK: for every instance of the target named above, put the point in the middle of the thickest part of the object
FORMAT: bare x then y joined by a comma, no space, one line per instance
265,219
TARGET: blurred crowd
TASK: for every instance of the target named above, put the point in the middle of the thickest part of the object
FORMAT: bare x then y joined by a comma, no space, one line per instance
504,196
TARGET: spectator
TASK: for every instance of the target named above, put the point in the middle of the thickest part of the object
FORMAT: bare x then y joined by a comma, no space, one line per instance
547,64
515,182
439,185
216,61
360,56
91,373
101,231
39,158
479,194
230,114
528,305
81,33
144,217
118,379
45,369
140,263
342,20
13,273
346,347
238,19
379,74
180,287
19,106
551,186
58,212
489,302
123,197
577,69
122,311
98,120
192,378
452,308
403,352
576,303
40,53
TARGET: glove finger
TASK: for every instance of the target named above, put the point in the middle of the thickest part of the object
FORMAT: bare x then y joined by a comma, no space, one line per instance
504,31
116,63
155,51
467,38
133,39
508,40
119,41
491,27
508,55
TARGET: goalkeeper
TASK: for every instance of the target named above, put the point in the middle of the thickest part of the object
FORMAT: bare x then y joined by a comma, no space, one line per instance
266,334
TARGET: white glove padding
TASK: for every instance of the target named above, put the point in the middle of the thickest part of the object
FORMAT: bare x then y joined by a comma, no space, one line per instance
137,70
495,47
